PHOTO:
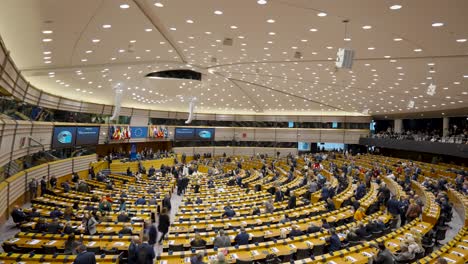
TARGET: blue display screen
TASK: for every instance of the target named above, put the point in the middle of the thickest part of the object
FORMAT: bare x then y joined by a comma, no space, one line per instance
290,124
63,137
87,135
204,133
303,146
334,125
182,133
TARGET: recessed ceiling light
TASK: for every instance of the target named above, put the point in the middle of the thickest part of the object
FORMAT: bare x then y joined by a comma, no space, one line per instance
271,33
158,4
148,29
189,21
347,39
46,40
208,32
233,27
461,40
262,2
417,50
397,39
271,21
83,60
437,24
367,27
106,26
322,14
96,40
46,52
395,7
313,30
465,76
124,6
89,51
371,48
173,28
218,12
132,41
47,32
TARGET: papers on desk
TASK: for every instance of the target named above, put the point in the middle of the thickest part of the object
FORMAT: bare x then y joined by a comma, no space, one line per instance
457,253
163,262
391,244
171,242
259,221
33,242
463,247
232,237
341,235
119,244
367,254
292,246
268,232
244,222
449,260
250,235
275,250
331,262
212,257
272,218
351,259
310,244
109,228
234,256
210,225
51,242
187,259
13,240
91,243
254,253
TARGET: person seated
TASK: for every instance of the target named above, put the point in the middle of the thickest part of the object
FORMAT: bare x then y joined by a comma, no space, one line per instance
94,198
352,236
33,214
242,238
256,211
126,229
152,201
54,227
228,212
188,202
198,201
141,201
312,228
56,213
285,219
330,205
404,254
295,232
123,217
198,242
361,230
68,229
41,225
325,224
359,214
197,259
89,207
105,206
222,240
333,240
269,207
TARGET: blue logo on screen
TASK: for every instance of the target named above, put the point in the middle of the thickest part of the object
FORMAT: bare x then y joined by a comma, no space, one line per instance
204,134
64,137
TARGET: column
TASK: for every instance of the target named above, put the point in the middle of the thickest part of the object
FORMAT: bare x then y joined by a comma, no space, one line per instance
445,126
398,125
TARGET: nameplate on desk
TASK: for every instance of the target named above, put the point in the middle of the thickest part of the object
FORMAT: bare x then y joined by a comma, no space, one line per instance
119,244
463,247
91,243
275,250
392,244
367,254
244,222
109,228
187,259
255,253
331,262
268,232
292,246
351,259
51,242
171,242
310,244
234,256
33,242
163,262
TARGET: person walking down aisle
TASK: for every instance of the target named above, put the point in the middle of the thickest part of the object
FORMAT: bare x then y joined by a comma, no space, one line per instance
164,223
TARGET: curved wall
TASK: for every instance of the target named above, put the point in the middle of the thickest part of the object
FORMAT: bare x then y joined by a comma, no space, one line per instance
14,190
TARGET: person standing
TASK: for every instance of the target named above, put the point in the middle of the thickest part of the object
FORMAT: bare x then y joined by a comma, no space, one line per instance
167,202
43,186
132,250
33,188
164,223
84,257
145,252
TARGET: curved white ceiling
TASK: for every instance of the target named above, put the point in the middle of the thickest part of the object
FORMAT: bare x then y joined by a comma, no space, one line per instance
399,52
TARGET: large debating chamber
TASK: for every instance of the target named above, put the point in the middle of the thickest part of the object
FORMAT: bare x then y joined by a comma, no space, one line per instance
246,132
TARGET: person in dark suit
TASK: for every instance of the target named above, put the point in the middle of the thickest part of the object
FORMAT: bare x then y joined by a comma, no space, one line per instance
152,234
295,232
126,230
198,242
242,238
313,228
167,202
278,195
132,250
164,223
292,201
84,257
334,241
145,252
54,227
